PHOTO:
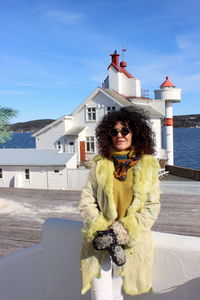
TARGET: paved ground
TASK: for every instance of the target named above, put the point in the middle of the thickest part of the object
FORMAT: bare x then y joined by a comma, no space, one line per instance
23,211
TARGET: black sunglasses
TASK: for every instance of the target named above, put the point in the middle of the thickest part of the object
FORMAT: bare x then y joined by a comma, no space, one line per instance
124,131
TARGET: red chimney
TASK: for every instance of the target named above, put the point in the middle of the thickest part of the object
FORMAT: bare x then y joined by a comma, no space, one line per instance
115,58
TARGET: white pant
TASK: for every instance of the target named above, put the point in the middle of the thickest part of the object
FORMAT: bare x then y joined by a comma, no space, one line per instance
109,286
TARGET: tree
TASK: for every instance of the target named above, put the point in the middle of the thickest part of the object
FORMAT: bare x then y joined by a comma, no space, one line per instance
5,115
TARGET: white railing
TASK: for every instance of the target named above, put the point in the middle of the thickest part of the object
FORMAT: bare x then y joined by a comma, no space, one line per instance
50,270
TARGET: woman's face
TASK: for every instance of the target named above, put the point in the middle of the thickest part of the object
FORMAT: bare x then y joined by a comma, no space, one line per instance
121,142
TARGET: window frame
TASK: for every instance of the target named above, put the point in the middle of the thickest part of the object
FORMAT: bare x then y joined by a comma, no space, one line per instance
58,145
27,174
90,144
91,116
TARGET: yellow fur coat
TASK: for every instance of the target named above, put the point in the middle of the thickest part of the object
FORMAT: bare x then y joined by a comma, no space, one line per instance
98,210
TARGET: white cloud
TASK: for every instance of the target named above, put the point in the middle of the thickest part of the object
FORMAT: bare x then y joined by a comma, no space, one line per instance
11,92
189,42
67,18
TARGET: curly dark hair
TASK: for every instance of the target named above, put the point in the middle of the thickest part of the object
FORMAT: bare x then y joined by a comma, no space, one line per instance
137,121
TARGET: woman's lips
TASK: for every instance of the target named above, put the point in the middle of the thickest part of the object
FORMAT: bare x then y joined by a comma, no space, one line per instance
120,141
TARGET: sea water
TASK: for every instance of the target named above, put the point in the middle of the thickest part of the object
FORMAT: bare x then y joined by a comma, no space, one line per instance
20,140
186,145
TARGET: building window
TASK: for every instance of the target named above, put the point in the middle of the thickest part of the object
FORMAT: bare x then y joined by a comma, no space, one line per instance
91,113
27,174
58,145
1,173
90,144
56,171
110,108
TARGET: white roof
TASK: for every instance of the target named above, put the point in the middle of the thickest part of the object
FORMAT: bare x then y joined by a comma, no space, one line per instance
75,130
33,157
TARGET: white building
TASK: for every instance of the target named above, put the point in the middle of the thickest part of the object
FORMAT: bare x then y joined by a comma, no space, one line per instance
75,133
31,168
69,142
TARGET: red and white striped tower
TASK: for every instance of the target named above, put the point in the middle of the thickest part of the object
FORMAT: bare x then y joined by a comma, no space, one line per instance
170,94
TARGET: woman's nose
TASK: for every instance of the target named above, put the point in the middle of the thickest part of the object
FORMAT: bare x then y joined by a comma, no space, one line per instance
119,133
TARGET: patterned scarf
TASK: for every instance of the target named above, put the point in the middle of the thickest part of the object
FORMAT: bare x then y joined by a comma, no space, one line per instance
123,160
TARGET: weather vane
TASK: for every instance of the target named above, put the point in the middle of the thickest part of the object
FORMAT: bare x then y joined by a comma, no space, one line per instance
123,50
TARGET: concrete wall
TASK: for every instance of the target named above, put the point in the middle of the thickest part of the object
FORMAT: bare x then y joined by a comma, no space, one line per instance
22,275
50,270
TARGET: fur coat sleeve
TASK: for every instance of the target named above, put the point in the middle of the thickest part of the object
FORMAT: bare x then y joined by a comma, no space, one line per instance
93,218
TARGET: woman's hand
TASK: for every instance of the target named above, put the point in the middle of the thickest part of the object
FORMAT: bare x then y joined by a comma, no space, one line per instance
120,232
104,239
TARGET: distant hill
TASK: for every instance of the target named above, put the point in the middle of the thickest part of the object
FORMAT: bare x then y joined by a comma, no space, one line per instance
30,126
35,125
187,121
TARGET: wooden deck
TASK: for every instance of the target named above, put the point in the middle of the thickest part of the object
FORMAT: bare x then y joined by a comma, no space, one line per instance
22,213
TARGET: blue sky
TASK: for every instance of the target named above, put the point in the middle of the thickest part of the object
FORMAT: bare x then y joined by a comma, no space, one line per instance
53,54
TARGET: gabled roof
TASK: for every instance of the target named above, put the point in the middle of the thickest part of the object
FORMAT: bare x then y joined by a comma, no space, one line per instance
92,95
167,83
121,70
150,110
33,157
121,100
75,130
145,105
55,123
120,67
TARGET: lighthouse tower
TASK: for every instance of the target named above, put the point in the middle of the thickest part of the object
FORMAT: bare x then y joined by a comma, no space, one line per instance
170,94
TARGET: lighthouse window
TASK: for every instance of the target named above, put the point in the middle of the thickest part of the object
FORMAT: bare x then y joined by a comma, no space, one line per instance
91,113
1,174
90,144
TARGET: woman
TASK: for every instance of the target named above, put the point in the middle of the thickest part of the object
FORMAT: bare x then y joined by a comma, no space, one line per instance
119,205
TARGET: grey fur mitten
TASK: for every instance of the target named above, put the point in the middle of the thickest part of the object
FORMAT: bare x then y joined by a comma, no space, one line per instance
104,239
117,254
120,232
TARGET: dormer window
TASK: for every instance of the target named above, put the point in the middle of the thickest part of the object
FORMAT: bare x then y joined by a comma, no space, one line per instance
91,114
